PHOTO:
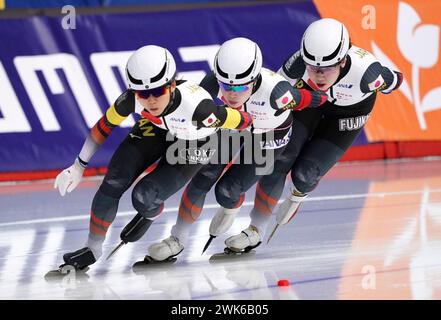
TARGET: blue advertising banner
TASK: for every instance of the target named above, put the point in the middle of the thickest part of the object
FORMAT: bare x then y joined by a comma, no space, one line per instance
58,75
26,4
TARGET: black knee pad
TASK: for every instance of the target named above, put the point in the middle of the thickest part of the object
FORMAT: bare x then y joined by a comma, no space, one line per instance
228,193
145,199
306,175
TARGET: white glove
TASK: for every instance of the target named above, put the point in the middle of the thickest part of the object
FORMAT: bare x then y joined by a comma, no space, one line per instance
69,178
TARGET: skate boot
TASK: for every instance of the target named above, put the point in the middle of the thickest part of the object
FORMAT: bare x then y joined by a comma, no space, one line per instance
166,249
79,260
244,242
239,246
162,252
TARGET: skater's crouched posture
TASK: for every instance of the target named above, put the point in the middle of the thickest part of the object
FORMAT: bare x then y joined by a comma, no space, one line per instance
239,80
351,78
160,99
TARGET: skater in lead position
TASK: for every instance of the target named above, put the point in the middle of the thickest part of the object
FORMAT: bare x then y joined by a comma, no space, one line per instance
239,80
351,78
154,93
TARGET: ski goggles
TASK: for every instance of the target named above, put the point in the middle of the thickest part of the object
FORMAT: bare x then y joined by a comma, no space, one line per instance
235,88
156,92
324,70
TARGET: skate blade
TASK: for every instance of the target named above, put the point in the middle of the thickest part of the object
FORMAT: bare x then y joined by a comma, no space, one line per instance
60,274
230,255
149,263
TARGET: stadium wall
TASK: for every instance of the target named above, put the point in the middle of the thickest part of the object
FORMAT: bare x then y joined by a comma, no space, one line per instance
57,79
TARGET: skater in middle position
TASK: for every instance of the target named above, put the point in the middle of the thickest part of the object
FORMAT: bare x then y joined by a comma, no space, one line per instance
239,80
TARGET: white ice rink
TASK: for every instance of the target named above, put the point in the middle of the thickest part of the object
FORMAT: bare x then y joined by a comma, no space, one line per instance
370,230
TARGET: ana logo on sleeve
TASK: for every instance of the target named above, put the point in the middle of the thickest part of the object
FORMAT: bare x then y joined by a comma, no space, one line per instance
284,100
375,85
210,120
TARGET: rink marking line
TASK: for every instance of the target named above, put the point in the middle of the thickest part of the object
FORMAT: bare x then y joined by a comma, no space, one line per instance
215,206
308,281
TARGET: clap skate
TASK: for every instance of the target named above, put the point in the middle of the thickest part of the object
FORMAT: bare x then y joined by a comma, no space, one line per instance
77,262
240,245
164,252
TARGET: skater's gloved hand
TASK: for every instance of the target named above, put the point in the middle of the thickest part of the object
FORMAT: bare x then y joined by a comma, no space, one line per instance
69,178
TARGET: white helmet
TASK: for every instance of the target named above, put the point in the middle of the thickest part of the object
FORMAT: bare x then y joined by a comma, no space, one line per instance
238,61
325,43
150,67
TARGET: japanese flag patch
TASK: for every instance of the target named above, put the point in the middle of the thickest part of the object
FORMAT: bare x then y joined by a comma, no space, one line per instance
284,100
375,85
210,120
